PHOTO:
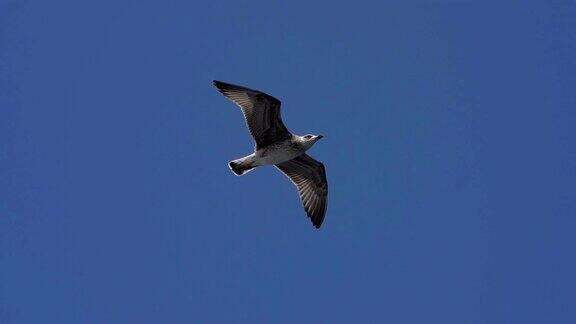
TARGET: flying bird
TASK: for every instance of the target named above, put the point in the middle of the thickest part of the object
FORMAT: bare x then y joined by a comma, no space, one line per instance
275,145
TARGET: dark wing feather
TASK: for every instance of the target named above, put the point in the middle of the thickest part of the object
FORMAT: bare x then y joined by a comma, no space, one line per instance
261,112
309,176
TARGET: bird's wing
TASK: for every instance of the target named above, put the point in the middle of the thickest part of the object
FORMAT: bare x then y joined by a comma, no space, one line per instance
309,176
261,111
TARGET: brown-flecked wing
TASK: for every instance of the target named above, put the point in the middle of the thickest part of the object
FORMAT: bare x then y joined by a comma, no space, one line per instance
261,112
309,176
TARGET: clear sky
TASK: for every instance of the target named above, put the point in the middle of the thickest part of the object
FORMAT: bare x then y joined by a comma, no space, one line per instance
449,147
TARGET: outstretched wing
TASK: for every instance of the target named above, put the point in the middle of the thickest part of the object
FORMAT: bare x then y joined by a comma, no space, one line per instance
261,112
309,176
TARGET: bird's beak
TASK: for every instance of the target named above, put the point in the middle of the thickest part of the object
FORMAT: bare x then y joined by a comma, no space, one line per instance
319,137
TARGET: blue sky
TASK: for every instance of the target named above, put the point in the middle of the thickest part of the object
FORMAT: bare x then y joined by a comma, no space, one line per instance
449,148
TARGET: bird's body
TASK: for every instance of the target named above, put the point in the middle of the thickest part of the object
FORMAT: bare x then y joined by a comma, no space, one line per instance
276,153
275,145
280,151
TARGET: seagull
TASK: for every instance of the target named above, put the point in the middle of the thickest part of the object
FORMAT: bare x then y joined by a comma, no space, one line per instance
275,145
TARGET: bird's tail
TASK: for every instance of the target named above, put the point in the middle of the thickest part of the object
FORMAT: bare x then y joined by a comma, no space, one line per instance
241,166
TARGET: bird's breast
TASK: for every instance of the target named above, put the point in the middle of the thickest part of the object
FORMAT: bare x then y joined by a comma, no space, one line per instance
278,153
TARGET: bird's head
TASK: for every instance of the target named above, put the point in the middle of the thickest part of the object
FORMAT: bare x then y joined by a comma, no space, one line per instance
309,140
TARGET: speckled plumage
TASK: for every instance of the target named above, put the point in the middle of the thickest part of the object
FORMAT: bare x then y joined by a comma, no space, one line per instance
275,145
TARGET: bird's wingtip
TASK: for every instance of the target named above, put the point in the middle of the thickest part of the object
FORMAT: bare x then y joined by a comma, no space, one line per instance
316,222
221,85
